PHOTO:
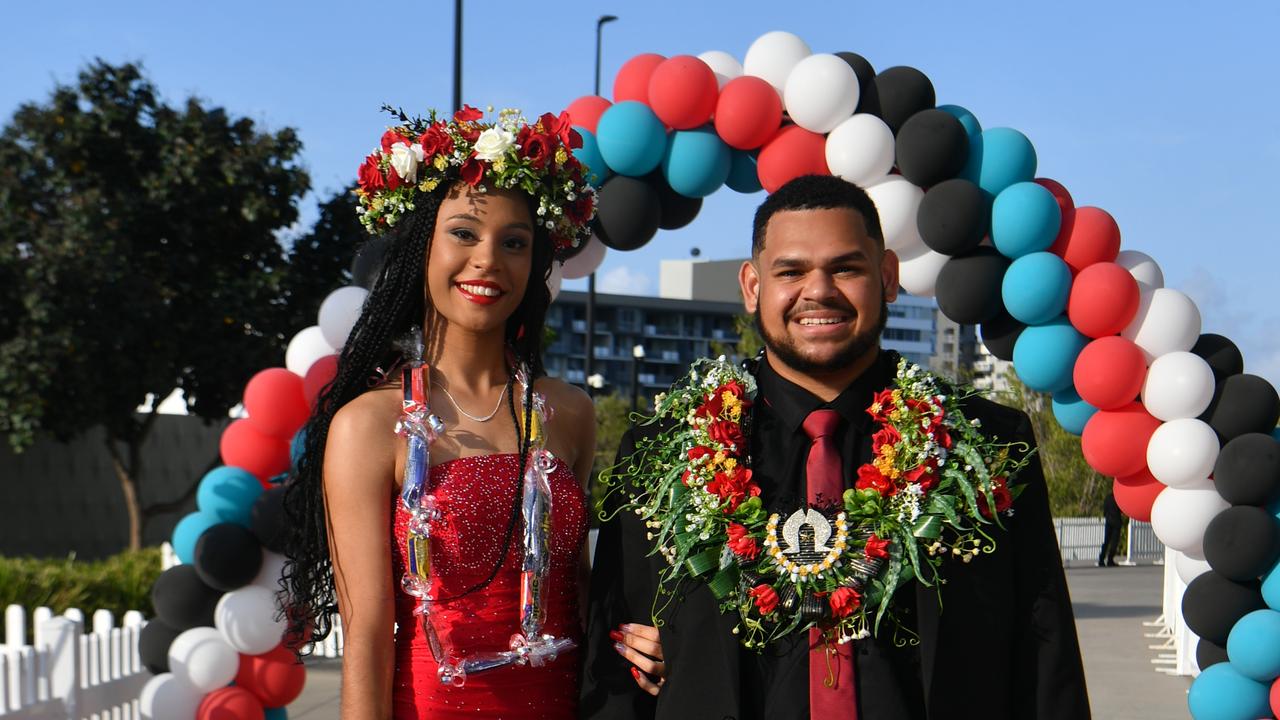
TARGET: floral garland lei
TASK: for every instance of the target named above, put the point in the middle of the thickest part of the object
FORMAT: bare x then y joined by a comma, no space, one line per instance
935,485
419,154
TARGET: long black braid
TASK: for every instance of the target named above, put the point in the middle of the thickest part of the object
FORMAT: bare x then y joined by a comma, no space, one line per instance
395,304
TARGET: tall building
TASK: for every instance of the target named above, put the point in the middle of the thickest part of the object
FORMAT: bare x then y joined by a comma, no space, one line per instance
956,348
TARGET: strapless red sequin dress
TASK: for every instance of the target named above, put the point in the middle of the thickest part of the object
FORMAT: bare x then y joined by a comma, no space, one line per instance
476,495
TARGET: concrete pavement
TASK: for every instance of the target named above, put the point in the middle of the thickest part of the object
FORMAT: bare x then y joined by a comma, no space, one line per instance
1110,605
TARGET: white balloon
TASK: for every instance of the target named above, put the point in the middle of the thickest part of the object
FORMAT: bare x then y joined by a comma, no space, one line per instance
339,312
555,279
1181,453
1178,385
1189,568
860,150
772,56
201,657
585,262
305,348
919,275
1179,516
897,201
1142,267
725,66
821,92
167,697
247,620
272,569
1167,321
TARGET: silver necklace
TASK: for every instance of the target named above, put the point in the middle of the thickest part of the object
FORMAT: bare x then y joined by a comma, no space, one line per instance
486,418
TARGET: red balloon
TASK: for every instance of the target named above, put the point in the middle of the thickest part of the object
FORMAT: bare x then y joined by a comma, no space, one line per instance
1142,478
230,703
1065,204
1275,698
276,402
586,111
244,446
1109,372
1094,237
320,373
748,113
1103,300
791,153
1136,500
1114,442
632,80
275,678
683,92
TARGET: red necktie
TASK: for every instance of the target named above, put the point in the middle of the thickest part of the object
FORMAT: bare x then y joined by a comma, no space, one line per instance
832,693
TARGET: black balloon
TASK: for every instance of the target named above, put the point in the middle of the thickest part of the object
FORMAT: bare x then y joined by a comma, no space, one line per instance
1001,334
868,98
182,600
267,519
932,146
968,288
1223,356
1247,471
904,91
953,217
1212,604
628,214
1208,653
676,210
1242,542
366,267
153,645
1242,404
227,556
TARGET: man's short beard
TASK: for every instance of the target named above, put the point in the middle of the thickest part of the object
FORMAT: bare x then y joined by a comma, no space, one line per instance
860,344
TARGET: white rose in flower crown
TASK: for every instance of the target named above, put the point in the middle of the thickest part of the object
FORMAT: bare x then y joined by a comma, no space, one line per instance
493,143
405,159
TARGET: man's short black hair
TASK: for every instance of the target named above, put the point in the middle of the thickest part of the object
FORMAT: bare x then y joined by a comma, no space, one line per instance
816,192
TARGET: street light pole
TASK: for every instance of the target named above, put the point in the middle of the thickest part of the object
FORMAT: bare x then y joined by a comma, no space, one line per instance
457,54
589,370
637,354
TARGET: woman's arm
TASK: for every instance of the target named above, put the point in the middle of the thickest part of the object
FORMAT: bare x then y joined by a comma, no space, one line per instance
359,470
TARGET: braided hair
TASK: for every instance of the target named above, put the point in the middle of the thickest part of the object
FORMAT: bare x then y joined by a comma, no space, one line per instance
394,305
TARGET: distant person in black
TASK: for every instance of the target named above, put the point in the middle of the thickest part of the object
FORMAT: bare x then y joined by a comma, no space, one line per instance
1111,535
999,644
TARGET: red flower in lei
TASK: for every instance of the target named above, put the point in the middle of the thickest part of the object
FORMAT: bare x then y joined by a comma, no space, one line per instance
876,548
881,406
370,175
740,543
887,435
1000,492
766,598
727,433
472,171
843,601
699,451
925,474
870,477
734,486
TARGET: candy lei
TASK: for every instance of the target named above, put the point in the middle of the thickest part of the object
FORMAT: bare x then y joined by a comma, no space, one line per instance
528,646
934,488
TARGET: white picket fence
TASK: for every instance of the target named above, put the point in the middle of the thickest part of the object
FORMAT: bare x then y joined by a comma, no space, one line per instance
67,674
1080,542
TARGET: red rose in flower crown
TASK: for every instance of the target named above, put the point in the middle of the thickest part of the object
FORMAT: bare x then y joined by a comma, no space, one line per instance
370,175
468,114
741,543
843,601
435,141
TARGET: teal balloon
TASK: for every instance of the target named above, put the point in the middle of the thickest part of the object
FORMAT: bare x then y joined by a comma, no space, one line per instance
1025,219
968,120
594,167
188,531
1071,412
297,447
1044,355
228,493
632,139
1036,287
1223,693
1271,582
276,714
1000,158
1254,645
697,162
743,176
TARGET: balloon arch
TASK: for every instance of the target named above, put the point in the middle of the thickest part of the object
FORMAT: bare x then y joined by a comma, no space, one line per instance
1046,282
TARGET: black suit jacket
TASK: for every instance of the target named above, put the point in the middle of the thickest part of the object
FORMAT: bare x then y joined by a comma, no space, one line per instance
1001,642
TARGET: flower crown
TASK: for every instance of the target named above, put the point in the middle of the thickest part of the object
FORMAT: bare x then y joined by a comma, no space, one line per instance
418,155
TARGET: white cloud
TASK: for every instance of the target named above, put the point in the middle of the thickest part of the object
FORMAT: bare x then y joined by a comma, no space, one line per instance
625,281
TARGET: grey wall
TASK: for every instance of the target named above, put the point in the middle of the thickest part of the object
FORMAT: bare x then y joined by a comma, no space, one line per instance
58,498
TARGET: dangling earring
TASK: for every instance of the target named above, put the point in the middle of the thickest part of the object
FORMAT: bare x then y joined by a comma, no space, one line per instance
520,332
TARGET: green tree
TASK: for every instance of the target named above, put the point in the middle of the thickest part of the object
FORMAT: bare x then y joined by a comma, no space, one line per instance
1075,488
613,417
140,252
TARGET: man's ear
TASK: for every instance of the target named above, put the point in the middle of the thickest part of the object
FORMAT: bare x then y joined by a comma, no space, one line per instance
889,275
749,283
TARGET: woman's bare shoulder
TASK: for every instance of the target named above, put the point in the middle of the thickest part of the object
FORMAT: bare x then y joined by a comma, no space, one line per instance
565,399
362,434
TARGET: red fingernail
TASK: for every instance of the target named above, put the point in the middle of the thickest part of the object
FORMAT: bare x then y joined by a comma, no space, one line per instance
635,673
615,635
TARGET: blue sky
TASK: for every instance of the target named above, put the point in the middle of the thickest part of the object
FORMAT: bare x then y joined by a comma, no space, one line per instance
1163,114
